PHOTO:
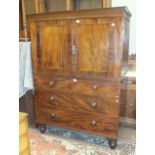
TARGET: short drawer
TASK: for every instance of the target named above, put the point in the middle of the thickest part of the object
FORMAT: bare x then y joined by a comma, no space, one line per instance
53,84
97,124
81,103
106,89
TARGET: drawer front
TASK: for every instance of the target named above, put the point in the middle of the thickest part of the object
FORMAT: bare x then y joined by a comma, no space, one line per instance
81,103
98,124
106,89
128,110
128,102
53,84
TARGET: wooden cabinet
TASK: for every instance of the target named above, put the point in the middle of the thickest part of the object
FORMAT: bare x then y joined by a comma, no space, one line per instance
128,95
77,63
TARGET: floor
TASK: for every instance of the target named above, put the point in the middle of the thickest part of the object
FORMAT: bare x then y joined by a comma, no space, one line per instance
57,141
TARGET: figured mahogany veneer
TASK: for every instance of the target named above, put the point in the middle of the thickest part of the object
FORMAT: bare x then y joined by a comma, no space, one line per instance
107,89
93,123
78,57
82,103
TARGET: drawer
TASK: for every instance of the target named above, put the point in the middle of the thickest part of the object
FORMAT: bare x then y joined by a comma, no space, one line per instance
128,102
53,84
78,102
106,89
93,123
128,110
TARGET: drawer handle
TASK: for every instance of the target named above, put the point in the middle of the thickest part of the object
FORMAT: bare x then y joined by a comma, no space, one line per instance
53,115
52,83
94,104
94,87
52,98
93,123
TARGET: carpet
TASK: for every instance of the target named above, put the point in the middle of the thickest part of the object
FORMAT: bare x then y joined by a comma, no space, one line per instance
57,141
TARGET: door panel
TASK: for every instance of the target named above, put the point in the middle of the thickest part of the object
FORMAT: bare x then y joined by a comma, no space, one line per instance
52,45
95,43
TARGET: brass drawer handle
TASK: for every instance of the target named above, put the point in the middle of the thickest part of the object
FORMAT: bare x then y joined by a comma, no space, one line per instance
93,123
94,87
53,115
52,98
52,83
93,104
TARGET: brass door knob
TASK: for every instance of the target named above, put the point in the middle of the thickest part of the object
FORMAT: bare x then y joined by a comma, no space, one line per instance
93,123
52,83
93,104
94,87
53,115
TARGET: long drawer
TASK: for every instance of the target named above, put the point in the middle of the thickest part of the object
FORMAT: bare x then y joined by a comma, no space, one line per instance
106,89
93,123
81,103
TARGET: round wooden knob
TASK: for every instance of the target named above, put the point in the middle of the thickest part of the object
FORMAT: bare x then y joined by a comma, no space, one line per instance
53,115
52,83
93,122
52,98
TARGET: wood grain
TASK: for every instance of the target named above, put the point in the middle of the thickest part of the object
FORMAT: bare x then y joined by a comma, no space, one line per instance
105,89
77,62
79,103
105,125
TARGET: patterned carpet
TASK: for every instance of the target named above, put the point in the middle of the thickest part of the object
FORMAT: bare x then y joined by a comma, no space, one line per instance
58,141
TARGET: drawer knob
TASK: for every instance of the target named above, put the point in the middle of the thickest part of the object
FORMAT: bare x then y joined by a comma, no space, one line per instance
93,123
52,83
53,115
52,98
94,87
94,104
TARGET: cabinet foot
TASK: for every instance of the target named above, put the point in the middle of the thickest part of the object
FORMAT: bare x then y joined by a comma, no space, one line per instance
42,128
112,143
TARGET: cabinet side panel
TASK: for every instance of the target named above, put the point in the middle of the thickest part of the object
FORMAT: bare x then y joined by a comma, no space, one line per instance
33,37
125,41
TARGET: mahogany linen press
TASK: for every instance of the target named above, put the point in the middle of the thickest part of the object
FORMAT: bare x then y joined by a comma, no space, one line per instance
78,59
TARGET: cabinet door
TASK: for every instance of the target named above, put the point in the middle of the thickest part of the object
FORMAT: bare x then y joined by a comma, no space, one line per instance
52,45
94,46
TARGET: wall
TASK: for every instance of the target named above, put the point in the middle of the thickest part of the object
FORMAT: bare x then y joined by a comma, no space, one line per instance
55,5
30,6
131,4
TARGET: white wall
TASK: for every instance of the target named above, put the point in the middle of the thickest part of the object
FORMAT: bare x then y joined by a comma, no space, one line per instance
131,4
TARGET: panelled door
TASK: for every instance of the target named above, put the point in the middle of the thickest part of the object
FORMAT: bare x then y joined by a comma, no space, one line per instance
79,47
52,45
94,47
